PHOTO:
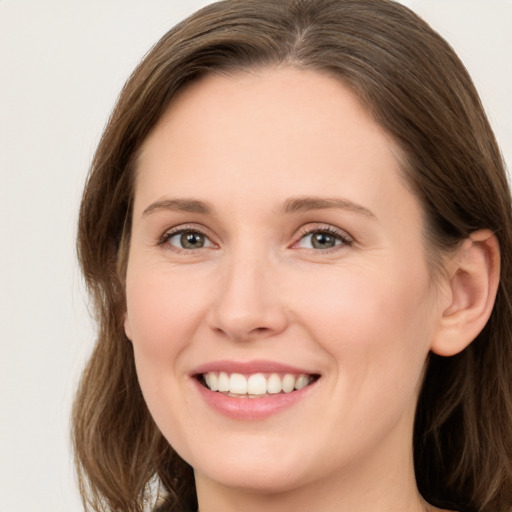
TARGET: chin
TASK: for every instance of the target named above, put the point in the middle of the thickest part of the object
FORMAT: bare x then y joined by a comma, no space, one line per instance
253,467
257,479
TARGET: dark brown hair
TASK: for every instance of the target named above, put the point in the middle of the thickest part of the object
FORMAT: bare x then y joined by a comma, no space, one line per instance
416,88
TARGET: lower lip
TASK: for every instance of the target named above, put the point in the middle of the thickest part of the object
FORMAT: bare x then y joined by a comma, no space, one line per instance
251,409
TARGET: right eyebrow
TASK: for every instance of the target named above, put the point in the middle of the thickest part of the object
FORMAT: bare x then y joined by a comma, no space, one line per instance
178,205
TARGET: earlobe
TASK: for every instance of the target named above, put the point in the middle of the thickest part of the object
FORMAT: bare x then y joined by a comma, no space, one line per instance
473,284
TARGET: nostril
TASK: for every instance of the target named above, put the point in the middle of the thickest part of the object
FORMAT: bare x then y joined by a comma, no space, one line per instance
241,320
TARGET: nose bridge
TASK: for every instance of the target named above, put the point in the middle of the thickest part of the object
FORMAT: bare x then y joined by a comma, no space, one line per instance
248,302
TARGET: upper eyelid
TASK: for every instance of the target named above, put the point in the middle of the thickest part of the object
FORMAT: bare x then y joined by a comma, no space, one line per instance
319,227
305,230
346,240
187,227
180,228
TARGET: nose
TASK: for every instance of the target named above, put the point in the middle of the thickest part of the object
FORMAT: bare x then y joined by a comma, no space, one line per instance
248,303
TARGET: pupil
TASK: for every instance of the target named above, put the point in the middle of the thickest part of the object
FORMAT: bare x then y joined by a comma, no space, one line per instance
192,240
323,240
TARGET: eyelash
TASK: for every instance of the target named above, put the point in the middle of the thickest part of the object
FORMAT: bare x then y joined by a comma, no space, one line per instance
338,235
164,239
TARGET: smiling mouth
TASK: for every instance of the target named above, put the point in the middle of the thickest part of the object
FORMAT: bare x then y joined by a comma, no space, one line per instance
257,385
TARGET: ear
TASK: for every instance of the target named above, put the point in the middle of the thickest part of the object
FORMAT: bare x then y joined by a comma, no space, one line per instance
472,284
127,327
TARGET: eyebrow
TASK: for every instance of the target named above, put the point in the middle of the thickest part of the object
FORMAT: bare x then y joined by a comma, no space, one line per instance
291,205
178,205
307,203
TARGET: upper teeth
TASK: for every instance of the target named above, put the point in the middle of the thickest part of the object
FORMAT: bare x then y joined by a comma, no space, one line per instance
255,384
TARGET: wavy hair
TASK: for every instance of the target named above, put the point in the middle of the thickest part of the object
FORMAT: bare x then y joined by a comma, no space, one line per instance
415,87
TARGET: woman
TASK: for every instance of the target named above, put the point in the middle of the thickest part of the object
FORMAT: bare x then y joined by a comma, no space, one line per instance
297,231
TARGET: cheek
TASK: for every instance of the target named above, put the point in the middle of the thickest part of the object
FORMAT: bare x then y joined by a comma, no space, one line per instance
375,323
160,319
162,310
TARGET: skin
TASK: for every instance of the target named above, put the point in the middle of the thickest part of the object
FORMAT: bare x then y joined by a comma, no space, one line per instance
363,314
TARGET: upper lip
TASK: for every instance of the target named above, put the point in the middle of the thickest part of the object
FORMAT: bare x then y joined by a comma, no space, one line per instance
249,367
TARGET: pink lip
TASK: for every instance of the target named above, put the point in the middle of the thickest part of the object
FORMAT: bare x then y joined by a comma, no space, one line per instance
249,367
249,409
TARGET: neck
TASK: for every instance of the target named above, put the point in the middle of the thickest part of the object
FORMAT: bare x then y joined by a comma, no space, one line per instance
313,497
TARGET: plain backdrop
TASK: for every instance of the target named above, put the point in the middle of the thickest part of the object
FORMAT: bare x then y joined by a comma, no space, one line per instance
62,64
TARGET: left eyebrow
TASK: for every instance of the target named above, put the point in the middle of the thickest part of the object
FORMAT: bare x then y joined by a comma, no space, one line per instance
307,203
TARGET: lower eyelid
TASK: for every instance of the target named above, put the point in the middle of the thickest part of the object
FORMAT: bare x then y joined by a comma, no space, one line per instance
341,236
339,243
168,235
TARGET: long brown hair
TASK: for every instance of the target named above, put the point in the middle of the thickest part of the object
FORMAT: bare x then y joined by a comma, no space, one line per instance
416,88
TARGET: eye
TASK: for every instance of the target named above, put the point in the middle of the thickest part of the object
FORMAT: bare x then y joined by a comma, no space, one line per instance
187,239
323,239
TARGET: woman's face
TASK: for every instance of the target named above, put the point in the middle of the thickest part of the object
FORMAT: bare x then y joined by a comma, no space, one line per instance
275,244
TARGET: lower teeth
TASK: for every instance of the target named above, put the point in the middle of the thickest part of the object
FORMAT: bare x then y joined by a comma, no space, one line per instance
235,395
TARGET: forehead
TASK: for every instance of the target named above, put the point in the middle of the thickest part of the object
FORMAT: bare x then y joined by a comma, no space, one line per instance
282,101
298,129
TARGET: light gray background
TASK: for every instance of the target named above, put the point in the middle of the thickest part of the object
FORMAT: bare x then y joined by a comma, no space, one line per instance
62,64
